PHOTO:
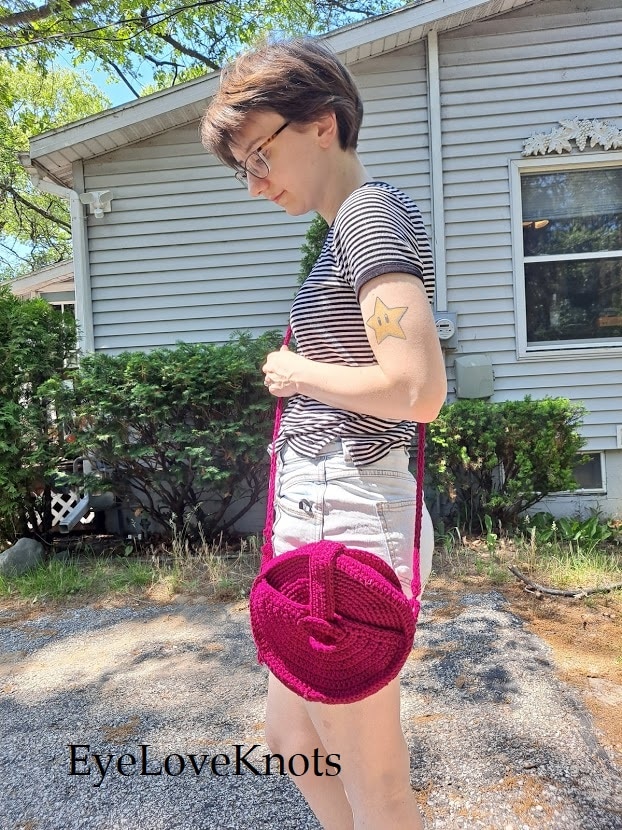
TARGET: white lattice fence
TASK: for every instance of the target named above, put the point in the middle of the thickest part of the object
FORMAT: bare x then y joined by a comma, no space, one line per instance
63,504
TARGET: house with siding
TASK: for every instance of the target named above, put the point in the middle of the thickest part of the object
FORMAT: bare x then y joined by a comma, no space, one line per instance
53,283
501,118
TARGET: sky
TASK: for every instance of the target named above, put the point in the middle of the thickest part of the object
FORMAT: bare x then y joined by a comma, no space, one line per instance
116,91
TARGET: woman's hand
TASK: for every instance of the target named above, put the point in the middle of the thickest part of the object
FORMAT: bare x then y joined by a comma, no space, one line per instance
280,371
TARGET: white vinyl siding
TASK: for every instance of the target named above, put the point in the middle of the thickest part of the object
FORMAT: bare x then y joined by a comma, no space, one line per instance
177,257
502,80
185,253
394,142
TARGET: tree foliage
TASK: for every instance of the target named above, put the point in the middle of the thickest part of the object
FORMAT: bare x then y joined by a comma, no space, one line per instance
312,246
34,226
174,39
38,343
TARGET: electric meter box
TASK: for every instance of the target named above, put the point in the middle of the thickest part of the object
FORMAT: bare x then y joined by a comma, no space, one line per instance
474,376
447,328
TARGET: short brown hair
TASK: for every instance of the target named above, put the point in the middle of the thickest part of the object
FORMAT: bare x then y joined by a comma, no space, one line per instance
299,78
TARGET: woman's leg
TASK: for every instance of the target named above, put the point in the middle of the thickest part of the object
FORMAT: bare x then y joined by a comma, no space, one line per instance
289,731
372,790
374,758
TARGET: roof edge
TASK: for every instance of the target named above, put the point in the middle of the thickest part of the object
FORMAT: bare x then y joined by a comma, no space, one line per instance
346,41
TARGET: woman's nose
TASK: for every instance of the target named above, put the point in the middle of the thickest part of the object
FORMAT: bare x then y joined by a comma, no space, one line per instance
256,185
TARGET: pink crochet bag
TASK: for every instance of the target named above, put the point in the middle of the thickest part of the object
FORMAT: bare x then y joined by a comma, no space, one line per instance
331,622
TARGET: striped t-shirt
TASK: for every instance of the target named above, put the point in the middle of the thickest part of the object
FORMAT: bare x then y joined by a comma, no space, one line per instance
378,230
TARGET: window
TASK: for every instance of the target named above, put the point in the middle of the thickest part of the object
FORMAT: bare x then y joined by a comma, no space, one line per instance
570,284
589,473
65,308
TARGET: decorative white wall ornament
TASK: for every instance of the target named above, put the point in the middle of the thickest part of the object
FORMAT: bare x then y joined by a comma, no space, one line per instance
581,131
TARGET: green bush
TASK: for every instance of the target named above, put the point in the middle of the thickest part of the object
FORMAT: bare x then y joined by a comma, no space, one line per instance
38,343
498,459
312,246
179,433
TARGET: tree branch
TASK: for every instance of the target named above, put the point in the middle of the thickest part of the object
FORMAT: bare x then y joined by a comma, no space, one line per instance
13,253
17,19
121,75
146,22
158,62
576,593
344,7
187,50
26,203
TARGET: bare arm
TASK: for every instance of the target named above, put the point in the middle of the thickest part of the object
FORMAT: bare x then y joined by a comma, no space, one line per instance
408,382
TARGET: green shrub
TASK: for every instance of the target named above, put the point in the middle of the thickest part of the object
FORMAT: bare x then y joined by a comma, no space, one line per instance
312,246
179,433
498,459
38,343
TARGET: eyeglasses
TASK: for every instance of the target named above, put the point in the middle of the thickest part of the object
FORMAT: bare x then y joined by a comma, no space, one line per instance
255,163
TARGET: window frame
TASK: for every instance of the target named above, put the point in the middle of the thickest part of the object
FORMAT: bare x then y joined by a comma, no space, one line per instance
62,305
588,491
543,164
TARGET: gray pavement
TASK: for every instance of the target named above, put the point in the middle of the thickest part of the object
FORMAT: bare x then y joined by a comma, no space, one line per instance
146,716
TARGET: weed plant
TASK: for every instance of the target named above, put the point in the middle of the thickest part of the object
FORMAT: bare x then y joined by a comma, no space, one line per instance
61,579
210,567
572,553
560,553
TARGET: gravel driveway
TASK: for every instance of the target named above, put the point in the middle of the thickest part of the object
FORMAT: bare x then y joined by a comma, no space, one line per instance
173,694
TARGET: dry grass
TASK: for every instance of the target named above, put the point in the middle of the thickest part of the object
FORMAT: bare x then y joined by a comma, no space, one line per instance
214,569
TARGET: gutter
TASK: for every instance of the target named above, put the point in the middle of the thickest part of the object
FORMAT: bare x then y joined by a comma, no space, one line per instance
436,170
47,183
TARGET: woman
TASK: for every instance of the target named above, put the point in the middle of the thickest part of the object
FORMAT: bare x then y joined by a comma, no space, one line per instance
368,366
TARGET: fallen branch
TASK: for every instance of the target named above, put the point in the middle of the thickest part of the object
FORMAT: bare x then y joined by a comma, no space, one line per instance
577,593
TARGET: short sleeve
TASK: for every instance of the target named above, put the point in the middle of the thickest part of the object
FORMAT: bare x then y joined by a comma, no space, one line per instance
378,230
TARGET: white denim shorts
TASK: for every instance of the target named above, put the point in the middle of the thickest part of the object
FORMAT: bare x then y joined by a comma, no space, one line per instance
370,507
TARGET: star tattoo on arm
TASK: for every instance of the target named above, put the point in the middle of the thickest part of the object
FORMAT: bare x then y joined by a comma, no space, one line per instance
386,321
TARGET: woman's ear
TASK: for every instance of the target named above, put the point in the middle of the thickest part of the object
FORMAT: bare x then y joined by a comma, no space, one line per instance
327,130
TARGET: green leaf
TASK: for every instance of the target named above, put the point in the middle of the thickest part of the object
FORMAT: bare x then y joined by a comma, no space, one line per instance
494,460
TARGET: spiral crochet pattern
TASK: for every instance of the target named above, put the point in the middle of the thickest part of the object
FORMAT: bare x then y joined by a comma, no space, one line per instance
332,623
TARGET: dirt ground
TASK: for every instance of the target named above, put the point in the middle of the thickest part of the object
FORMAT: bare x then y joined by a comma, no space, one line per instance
586,639
585,636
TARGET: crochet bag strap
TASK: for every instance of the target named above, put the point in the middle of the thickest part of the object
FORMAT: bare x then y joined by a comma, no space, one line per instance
267,550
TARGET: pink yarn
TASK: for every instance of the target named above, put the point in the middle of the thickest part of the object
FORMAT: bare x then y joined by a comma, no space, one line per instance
331,622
